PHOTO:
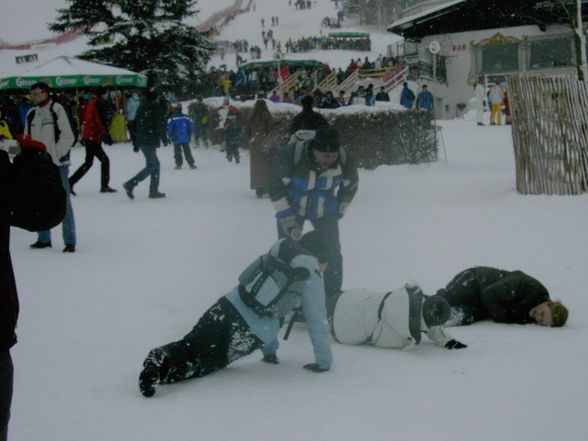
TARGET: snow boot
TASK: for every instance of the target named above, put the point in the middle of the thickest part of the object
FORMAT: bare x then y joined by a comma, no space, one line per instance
149,376
129,190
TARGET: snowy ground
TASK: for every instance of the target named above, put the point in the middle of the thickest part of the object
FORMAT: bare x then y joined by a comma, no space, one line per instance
145,270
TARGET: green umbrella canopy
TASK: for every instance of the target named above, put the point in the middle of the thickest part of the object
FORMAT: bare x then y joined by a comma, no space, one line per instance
290,63
66,72
349,34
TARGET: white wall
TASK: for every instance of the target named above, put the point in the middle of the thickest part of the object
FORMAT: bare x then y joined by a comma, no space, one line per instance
461,74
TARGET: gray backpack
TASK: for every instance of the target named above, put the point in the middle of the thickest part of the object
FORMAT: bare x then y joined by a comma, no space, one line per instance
270,286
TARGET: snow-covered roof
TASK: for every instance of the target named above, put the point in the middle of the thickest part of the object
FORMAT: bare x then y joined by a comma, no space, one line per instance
64,65
438,10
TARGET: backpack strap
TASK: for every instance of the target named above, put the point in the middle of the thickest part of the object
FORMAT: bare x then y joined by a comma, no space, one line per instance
30,117
56,130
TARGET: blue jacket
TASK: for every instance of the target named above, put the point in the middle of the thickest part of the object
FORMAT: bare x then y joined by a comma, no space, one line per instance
424,100
180,128
407,97
303,189
313,307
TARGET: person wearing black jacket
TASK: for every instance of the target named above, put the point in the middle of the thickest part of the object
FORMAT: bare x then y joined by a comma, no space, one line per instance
481,293
308,119
31,197
150,124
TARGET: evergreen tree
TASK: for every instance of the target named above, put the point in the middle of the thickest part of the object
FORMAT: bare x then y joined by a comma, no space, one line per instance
146,36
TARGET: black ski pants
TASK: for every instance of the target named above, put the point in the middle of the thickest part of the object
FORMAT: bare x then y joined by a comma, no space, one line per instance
328,227
185,147
220,337
463,295
93,149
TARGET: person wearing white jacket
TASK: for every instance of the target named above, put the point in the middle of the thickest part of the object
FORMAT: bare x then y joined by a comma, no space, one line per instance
394,320
496,97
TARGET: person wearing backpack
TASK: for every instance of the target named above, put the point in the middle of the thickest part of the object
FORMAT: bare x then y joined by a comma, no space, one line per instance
48,123
315,179
94,132
249,316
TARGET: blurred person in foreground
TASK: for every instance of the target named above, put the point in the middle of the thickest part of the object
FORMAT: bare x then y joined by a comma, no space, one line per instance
31,197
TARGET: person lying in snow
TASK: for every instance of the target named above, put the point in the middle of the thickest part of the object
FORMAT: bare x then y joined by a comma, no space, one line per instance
481,293
248,317
395,319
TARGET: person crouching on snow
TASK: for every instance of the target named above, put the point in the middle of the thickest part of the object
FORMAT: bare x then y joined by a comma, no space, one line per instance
394,320
248,317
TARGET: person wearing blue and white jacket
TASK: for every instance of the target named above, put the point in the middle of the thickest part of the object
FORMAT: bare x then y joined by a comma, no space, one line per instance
315,180
235,326
179,129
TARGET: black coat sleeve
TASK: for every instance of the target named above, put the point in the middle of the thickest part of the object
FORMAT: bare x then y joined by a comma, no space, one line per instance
35,198
510,299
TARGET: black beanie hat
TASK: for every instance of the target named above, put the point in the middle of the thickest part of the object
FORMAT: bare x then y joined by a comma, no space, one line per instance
327,139
315,243
436,310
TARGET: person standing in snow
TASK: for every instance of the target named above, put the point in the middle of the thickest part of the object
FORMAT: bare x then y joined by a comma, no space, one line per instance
94,132
40,125
480,91
315,179
481,293
495,97
395,319
241,322
425,100
307,119
382,95
130,114
258,129
32,196
407,96
150,133
179,130
199,113
228,123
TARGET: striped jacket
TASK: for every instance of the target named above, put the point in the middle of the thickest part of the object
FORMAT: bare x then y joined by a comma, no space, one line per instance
299,187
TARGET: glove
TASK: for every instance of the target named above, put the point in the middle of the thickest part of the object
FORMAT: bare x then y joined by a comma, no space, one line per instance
313,367
271,359
454,344
107,139
165,141
291,227
136,149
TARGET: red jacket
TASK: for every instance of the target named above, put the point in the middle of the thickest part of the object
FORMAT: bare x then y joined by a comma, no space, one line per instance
94,124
